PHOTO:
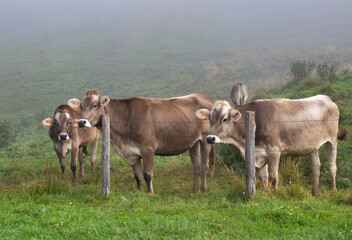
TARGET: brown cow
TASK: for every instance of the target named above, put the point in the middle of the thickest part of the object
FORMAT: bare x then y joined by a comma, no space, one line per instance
143,127
67,137
239,94
283,127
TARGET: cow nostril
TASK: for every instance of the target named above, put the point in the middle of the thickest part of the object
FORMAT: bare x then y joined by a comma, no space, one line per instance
82,123
210,139
63,136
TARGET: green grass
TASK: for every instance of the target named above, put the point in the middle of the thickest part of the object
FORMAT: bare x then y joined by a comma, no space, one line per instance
174,212
36,203
85,214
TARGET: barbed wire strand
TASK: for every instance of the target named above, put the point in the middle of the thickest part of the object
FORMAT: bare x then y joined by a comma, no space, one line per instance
40,133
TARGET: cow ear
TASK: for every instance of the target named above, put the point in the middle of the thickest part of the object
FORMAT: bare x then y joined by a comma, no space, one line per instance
104,100
203,114
235,115
47,122
74,103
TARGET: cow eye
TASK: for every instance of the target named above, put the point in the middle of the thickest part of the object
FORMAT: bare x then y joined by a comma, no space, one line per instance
95,106
224,120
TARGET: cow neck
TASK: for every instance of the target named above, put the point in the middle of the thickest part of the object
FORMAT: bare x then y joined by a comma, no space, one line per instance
118,109
100,123
240,128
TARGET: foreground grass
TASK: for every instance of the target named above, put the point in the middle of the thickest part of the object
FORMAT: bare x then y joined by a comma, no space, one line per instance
48,207
133,215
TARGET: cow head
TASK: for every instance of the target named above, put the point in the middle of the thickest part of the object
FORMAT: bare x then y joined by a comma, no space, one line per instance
222,119
62,124
92,107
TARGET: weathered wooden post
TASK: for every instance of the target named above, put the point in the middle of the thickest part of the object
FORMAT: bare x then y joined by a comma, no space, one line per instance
250,154
106,154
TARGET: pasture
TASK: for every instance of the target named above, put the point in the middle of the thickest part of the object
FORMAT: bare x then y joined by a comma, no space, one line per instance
37,203
52,51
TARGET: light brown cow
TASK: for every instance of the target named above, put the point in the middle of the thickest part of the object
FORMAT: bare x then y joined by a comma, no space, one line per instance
239,94
143,127
67,137
283,127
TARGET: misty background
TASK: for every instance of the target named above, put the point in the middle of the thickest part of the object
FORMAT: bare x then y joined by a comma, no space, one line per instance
51,51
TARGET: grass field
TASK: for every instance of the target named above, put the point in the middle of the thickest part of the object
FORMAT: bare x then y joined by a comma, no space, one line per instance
35,203
54,51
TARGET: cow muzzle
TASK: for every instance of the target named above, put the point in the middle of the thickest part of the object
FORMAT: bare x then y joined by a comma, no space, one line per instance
211,139
83,123
63,137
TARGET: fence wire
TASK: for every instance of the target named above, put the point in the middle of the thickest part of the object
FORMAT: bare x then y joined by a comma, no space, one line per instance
41,132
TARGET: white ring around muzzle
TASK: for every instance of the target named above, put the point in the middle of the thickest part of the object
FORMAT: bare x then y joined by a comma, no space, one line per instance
213,139
84,123
63,137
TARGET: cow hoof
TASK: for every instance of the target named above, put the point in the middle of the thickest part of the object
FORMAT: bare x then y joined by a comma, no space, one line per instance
315,193
211,174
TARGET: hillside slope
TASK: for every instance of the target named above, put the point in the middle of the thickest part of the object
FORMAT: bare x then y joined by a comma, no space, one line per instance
51,52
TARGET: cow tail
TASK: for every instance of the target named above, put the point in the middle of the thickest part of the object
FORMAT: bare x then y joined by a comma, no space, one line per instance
341,135
212,160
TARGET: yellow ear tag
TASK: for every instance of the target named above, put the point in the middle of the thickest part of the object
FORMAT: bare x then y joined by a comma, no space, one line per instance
75,106
204,117
75,124
236,116
48,124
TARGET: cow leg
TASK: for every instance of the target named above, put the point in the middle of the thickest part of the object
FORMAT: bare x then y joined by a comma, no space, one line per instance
315,162
138,174
212,160
273,162
63,167
81,162
93,151
194,153
148,162
332,152
204,165
263,175
62,161
74,154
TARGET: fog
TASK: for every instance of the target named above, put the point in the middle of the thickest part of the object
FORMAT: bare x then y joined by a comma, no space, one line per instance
162,48
226,17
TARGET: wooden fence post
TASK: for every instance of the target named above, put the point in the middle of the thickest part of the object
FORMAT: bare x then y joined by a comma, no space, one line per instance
106,154
250,154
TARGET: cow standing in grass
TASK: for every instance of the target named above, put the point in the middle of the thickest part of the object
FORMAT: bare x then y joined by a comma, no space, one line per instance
239,94
283,127
143,127
67,137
